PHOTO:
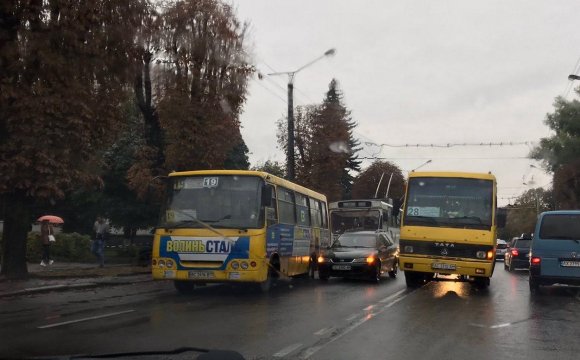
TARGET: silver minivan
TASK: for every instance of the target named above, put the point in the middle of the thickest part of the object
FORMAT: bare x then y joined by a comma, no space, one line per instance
555,250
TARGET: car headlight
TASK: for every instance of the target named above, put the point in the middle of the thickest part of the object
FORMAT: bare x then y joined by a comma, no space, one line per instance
360,260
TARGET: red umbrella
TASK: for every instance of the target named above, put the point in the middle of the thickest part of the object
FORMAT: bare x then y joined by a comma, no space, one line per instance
51,219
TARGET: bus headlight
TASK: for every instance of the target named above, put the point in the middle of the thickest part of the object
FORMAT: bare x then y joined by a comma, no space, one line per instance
161,263
480,254
408,249
169,263
244,265
235,265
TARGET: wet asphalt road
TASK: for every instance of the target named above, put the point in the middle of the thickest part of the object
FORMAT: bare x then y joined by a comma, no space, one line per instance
303,319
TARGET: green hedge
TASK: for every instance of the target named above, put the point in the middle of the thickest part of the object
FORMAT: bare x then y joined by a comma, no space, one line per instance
68,246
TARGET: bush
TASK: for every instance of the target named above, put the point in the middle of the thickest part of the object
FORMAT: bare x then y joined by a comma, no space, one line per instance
68,246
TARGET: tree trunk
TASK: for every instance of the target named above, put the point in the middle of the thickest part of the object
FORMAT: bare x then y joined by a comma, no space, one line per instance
17,219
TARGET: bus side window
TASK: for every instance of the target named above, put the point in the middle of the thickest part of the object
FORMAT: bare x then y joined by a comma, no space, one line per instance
272,211
286,206
324,215
315,213
302,212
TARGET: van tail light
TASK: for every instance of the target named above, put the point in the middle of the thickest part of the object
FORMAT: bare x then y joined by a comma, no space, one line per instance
536,260
515,252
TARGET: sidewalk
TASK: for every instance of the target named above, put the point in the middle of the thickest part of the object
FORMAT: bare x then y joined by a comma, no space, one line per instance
67,276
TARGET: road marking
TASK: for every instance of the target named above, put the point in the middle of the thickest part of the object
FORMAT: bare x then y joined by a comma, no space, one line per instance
388,298
352,317
500,325
307,353
287,350
85,319
325,331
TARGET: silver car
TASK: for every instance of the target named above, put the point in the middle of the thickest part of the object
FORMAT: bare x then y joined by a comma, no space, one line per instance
500,249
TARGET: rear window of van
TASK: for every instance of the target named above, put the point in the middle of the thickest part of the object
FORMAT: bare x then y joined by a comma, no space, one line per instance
560,227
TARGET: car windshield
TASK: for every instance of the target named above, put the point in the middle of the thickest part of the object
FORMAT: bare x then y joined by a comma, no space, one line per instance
560,227
356,241
449,202
522,243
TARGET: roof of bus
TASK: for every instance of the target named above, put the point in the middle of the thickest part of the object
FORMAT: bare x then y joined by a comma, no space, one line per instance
264,175
459,174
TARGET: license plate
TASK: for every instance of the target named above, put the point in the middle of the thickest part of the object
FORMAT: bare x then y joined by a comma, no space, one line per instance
567,263
443,266
341,267
201,274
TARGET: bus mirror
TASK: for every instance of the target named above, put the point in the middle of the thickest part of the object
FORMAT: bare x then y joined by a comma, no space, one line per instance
501,217
266,195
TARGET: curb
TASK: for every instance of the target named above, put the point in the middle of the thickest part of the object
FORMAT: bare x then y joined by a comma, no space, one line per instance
66,287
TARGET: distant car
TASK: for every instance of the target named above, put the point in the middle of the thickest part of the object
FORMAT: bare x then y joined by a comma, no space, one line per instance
518,253
360,254
500,249
555,252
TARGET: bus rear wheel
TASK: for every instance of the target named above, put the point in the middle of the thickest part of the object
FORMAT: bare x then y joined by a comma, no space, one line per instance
481,282
184,287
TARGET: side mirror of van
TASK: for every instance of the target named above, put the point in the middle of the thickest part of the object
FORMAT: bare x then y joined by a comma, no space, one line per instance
501,217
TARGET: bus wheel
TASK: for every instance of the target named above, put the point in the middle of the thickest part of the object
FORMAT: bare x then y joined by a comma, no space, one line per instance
481,282
273,269
184,287
413,279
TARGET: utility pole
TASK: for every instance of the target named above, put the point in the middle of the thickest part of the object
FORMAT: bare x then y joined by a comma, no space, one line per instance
290,159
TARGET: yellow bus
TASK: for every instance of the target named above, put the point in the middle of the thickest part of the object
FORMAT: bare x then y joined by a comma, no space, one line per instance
237,226
449,226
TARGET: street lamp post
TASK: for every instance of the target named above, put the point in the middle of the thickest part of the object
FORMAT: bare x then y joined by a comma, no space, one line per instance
290,161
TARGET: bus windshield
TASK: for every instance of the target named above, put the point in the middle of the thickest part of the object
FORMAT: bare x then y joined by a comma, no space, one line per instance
449,202
355,220
224,201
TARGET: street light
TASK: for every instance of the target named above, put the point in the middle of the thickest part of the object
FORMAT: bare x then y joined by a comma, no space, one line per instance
290,163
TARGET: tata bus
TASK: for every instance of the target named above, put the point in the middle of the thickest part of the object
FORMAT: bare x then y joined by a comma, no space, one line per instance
449,227
363,215
237,226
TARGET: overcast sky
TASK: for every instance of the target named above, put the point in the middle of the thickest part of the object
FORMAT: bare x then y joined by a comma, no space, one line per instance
416,72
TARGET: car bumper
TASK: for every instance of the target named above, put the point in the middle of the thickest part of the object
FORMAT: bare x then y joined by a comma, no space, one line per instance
355,271
462,267
550,280
520,263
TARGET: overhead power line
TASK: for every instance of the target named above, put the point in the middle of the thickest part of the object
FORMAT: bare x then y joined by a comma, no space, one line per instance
445,158
450,145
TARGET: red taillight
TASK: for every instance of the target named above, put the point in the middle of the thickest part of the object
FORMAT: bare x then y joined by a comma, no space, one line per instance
515,252
536,261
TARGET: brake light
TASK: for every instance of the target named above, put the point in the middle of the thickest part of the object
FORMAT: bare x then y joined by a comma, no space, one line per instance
536,260
515,252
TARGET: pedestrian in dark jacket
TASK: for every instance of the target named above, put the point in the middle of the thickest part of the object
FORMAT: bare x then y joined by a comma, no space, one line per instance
45,231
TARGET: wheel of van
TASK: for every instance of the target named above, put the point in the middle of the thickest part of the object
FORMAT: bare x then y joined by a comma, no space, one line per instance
184,287
534,285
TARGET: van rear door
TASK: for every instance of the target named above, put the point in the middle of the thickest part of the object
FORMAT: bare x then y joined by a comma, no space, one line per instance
557,243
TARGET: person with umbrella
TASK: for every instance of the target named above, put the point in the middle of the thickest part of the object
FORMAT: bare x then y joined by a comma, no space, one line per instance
46,231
